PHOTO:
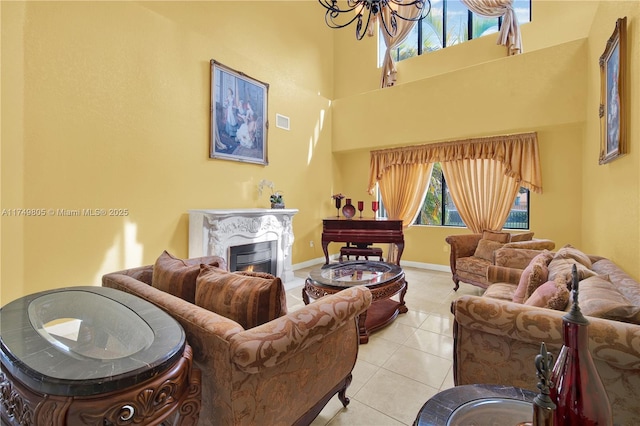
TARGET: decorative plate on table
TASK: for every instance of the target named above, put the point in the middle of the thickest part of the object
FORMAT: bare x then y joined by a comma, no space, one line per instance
349,211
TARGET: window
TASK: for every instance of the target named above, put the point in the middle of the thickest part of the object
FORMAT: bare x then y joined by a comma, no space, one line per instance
438,209
449,23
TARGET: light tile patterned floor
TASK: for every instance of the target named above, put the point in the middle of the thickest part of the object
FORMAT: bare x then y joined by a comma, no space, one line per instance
405,363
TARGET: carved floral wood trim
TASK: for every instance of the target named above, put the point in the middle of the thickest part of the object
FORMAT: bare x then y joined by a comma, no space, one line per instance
178,390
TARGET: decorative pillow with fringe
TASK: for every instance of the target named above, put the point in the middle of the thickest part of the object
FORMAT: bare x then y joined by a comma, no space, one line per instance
177,276
248,298
552,295
533,276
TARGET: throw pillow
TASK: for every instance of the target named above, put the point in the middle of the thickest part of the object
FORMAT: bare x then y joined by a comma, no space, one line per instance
562,266
552,295
485,249
501,237
177,276
598,297
530,281
570,252
539,275
250,299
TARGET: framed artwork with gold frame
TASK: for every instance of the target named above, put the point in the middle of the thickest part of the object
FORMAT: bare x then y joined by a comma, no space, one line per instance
238,116
613,137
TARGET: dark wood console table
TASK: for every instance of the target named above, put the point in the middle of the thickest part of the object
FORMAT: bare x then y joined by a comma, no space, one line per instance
362,230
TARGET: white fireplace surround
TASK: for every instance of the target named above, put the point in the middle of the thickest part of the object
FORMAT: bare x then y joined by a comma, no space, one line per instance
214,232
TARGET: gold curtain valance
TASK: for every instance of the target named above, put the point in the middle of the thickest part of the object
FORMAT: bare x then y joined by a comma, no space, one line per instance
518,152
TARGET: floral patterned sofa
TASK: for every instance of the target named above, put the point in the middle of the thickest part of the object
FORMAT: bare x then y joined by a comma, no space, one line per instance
472,254
496,339
266,366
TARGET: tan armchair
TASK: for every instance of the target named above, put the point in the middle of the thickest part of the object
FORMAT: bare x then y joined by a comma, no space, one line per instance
470,263
282,372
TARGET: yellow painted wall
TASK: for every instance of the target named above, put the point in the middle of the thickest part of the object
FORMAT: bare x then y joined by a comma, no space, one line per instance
611,192
553,89
106,105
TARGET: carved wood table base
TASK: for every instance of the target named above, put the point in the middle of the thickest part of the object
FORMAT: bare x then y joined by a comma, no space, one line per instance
173,393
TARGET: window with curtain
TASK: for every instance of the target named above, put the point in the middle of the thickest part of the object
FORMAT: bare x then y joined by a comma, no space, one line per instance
438,208
450,22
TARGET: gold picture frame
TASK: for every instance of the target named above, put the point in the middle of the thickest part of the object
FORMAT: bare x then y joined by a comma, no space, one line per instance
239,120
613,135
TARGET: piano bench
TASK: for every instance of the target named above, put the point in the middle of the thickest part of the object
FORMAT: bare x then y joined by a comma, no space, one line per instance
357,252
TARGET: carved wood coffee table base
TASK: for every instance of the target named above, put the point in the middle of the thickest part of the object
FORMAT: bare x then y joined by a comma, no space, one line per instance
385,281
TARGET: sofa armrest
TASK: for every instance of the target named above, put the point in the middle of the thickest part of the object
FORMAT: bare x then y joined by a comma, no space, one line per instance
517,258
140,273
463,245
196,321
502,274
535,244
283,338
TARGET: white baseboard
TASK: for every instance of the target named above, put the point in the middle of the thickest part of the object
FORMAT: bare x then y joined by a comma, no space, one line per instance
310,263
430,266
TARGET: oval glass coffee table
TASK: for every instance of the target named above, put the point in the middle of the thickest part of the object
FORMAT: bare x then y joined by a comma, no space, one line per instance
385,280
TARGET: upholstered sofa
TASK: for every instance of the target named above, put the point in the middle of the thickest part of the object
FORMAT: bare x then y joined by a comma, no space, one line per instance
281,372
496,339
472,254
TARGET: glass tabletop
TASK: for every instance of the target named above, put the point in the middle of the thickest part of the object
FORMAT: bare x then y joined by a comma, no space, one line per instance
491,411
92,326
86,340
359,272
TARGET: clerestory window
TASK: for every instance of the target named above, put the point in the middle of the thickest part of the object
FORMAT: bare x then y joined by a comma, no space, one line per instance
450,22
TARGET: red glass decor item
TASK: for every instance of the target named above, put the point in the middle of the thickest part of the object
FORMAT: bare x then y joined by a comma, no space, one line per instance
338,204
374,207
360,207
577,389
348,210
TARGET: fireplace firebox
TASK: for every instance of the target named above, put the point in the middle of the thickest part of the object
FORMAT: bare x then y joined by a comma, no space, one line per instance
255,257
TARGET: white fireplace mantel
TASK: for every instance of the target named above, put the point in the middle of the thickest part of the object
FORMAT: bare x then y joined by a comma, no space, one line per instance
214,232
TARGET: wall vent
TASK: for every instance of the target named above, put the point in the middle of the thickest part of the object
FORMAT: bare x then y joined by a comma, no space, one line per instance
282,122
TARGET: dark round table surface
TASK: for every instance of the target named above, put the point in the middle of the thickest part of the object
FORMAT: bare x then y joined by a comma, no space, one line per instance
437,410
85,340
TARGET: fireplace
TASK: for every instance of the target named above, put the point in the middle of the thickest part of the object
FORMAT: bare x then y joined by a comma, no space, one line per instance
218,232
255,257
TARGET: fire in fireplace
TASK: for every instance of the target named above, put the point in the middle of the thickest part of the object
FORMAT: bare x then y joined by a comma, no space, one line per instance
256,257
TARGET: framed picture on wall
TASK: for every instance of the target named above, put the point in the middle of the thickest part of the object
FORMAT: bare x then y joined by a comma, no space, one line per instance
238,116
613,138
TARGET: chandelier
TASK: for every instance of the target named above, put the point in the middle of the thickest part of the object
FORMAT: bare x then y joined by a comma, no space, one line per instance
362,10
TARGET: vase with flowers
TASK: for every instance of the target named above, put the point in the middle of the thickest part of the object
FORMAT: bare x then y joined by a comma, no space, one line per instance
337,198
276,199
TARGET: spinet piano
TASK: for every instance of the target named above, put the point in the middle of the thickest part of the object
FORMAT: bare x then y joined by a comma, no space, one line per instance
362,230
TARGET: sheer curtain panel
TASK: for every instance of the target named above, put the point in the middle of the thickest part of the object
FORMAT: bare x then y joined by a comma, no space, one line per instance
404,28
481,192
510,30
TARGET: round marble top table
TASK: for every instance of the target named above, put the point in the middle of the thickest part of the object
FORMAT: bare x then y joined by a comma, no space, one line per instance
477,404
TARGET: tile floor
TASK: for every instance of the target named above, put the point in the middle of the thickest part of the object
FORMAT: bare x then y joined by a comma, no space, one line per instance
405,363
